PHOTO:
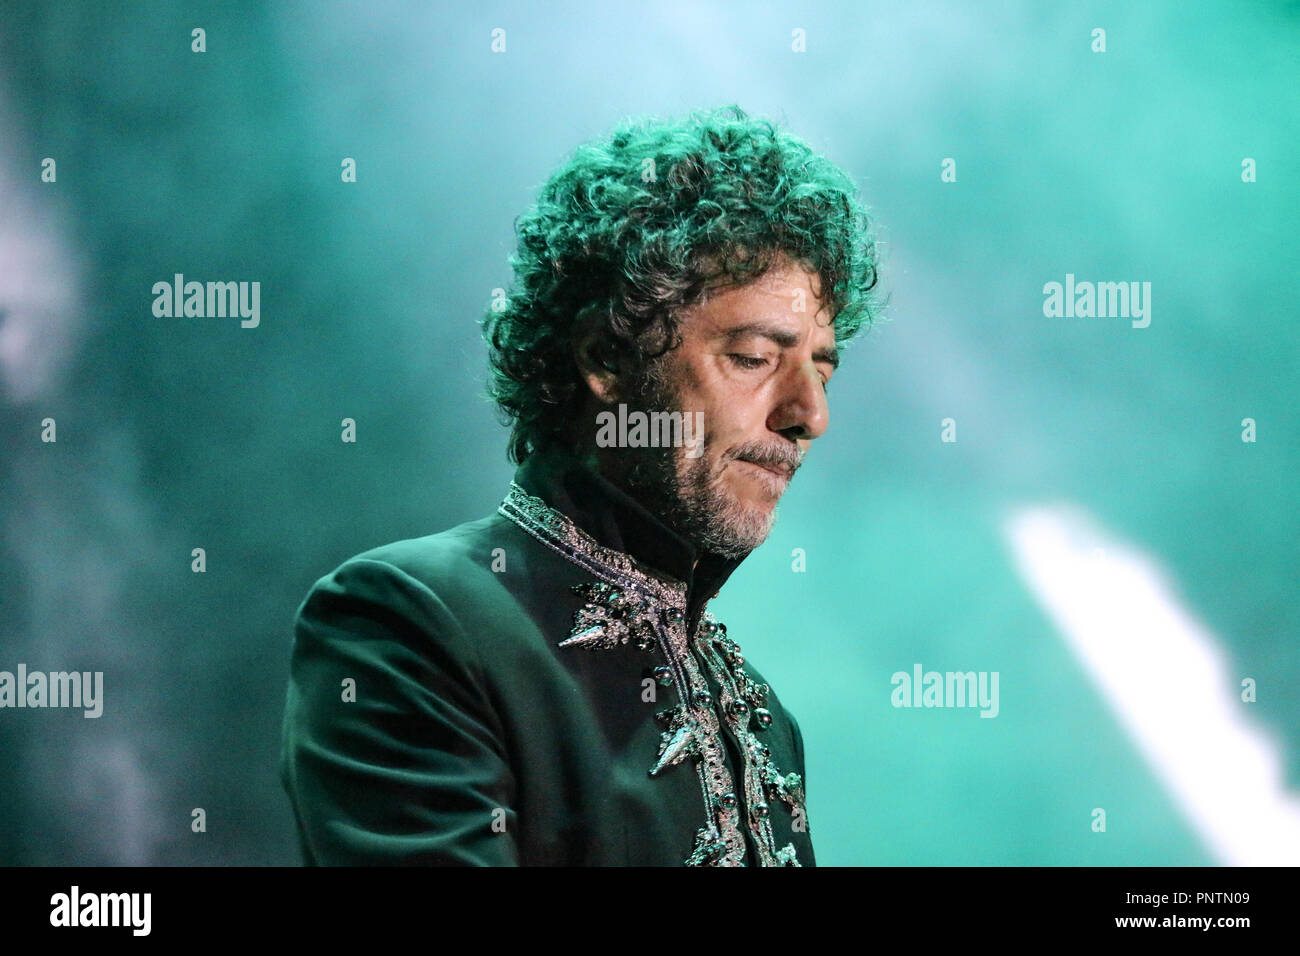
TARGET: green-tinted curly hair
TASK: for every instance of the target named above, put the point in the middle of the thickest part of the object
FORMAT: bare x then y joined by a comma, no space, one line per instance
642,224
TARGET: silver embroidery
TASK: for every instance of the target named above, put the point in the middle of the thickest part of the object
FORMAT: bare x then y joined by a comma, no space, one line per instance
742,702
631,603
611,617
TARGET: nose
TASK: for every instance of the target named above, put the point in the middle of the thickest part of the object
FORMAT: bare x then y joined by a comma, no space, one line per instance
801,413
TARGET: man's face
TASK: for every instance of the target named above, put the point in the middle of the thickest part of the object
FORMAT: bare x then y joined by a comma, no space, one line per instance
754,360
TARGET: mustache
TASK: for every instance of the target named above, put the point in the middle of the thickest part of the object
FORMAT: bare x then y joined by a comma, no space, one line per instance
787,457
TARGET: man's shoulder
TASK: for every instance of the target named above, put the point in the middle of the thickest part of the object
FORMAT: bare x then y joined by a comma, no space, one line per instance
421,592
476,568
445,563
432,557
471,593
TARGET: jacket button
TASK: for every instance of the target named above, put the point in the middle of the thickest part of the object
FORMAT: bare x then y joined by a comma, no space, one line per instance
760,810
739,708
674,615
727,801
704,698
763,716
664,675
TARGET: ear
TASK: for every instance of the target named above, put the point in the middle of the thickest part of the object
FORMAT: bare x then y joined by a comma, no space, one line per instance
594,358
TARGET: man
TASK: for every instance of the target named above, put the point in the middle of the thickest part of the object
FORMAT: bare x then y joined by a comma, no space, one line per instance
545,686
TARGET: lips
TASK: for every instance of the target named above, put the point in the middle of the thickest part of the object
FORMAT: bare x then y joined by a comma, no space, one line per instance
782,471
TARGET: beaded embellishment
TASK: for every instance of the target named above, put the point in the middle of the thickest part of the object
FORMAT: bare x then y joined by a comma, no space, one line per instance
629,603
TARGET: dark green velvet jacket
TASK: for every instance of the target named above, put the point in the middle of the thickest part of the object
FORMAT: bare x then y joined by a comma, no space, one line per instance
540,687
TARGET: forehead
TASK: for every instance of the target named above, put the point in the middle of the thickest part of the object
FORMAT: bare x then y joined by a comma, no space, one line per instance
787,294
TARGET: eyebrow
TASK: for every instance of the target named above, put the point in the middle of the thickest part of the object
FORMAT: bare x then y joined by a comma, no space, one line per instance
782,337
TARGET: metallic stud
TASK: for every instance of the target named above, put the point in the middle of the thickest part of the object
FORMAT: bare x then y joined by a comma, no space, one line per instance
728,801
675,747
763,717
664,675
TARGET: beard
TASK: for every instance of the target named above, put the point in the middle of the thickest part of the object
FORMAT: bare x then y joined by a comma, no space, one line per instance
688,494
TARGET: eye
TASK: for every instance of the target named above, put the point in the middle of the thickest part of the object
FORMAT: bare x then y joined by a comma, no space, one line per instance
748,361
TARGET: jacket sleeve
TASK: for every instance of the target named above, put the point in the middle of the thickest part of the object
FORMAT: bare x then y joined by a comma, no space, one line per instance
798,750
391,753
800,769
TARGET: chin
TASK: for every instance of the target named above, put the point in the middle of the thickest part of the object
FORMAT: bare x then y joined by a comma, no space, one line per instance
757,488
750,524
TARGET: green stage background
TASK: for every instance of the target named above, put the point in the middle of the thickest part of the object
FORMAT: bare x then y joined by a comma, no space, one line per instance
1099,534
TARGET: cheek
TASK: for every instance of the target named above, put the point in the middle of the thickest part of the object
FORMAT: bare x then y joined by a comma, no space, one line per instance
735,421
731,415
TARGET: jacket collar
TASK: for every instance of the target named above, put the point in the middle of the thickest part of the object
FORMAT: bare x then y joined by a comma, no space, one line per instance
619,522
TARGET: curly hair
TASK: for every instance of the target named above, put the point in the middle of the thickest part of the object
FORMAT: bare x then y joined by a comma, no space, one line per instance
646,222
